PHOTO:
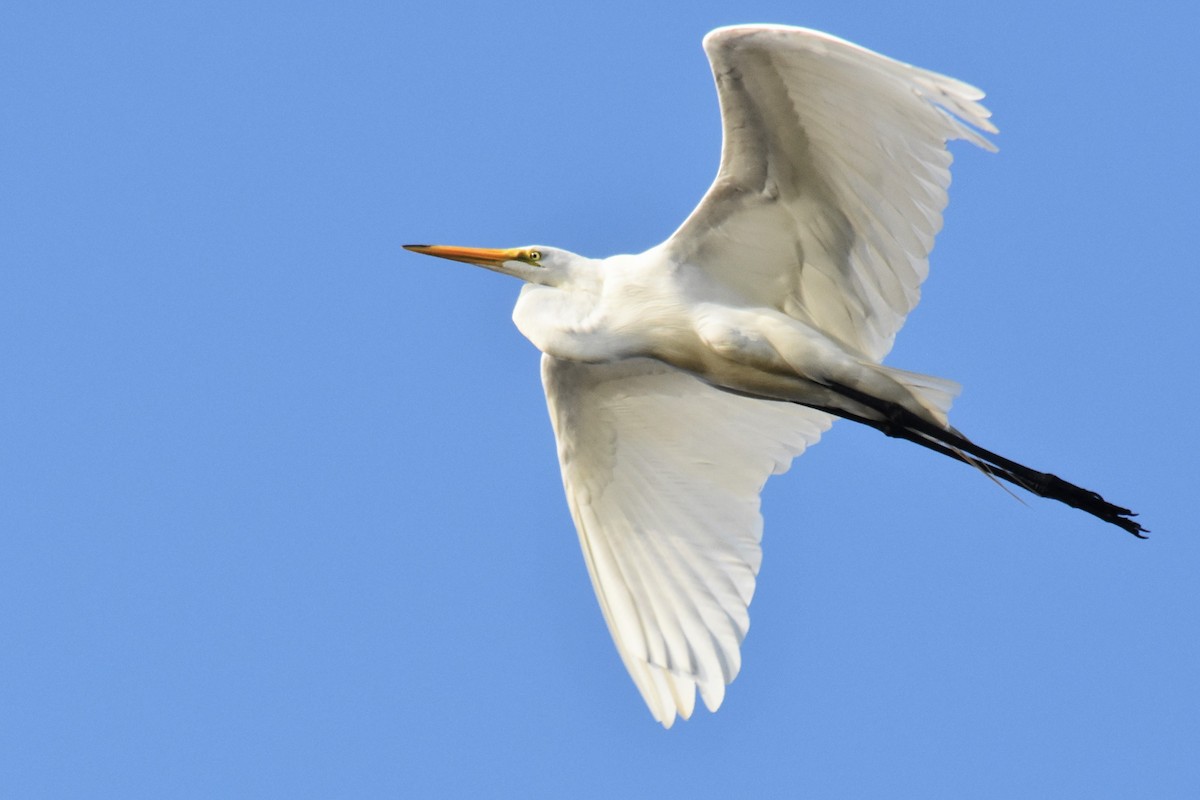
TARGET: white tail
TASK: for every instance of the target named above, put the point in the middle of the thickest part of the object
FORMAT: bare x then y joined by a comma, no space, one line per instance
935,395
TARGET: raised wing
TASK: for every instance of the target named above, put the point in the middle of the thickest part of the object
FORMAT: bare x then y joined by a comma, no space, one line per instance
833,179
662,475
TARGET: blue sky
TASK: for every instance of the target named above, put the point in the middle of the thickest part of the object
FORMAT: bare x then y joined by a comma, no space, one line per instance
280,514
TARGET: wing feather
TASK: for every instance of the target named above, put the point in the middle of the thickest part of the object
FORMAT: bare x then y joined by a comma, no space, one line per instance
662,475
833,179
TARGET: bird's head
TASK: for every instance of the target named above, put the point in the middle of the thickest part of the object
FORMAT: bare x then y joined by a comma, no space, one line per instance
548,266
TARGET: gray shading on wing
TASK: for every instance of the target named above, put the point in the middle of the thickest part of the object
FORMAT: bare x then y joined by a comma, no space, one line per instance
662,474
833,178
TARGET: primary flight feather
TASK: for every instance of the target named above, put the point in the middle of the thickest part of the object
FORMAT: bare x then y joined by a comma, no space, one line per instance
679,379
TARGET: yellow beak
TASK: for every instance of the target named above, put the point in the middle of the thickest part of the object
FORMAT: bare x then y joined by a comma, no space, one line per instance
480,256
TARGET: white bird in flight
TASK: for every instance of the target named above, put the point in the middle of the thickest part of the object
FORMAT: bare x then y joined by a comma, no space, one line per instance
681,378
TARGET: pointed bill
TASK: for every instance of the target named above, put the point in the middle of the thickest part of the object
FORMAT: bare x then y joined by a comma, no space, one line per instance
480,256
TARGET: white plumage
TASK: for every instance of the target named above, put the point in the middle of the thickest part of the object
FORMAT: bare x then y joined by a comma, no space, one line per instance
663,475
664,371
833,179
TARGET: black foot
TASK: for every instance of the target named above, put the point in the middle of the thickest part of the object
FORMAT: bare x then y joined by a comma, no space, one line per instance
1056,488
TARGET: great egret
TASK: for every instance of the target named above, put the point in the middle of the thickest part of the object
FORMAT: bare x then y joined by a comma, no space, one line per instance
681,378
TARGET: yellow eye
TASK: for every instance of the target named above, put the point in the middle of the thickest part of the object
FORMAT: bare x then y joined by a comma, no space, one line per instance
534,256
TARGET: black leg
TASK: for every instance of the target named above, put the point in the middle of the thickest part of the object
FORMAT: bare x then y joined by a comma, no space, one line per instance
898,422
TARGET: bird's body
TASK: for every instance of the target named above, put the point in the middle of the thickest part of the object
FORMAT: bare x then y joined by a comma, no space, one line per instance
679,379
653,306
